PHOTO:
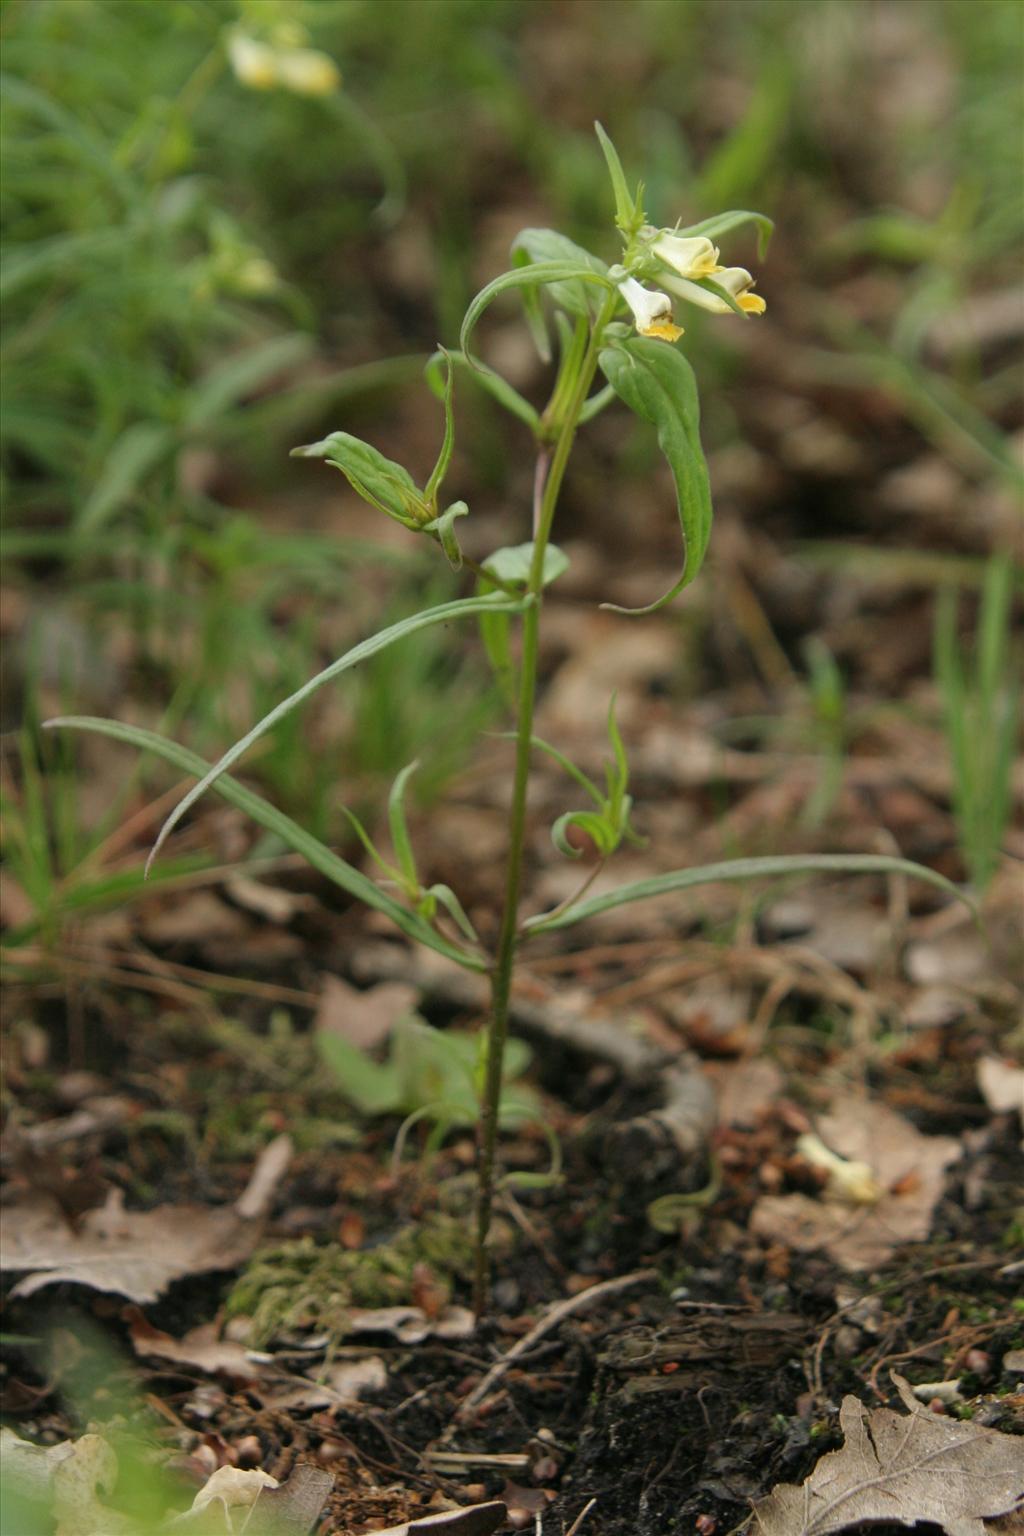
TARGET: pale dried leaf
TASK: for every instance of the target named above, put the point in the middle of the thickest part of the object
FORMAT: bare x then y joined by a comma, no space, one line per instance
234,1487
364,1019
411,1325
901,1470
294,1508
132,1253
269,901
351,1378
200,1348
746,1089
1002,1085
908,1166
271,1166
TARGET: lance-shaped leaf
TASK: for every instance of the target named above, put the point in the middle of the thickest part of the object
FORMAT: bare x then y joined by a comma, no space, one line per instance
492,602
629,211
379,480
535,275
746,869
657,383
721,224
315,852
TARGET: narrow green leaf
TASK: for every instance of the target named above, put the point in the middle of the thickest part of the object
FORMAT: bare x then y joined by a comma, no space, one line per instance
316,853
533,312
371,848
657,383
456,911
747,869
440,469
491,382
138,450
492,602
399,828
724,223
537,274
566,763
629,214
384,484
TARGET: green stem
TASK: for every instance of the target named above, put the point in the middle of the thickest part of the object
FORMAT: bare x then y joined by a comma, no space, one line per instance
501,981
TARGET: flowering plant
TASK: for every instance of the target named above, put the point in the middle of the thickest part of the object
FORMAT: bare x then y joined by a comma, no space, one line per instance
618,320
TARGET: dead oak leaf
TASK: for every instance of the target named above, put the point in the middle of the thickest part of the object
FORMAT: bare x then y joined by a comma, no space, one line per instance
910,1168
901,1470
137,1253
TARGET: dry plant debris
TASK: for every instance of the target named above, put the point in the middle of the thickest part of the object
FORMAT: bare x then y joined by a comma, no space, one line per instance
908,1166
901,1470
138,1253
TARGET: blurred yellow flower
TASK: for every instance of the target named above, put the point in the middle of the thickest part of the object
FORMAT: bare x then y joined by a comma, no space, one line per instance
263,67
254,63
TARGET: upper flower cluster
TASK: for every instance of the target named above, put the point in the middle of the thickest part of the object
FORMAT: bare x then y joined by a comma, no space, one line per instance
264,66
689,267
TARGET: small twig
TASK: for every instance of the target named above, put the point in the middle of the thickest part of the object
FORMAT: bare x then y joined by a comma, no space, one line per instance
555,1314
577,1523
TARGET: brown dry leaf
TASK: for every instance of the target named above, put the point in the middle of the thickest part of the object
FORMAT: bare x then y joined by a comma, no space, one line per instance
364,1019
200,1348
203,917
136,1253
909,1167
901,1470
746,1089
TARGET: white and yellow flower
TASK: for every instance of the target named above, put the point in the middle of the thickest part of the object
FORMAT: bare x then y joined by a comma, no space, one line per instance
736,281
652,311
689,257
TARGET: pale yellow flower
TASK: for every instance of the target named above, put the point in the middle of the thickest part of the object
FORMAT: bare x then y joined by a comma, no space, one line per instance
254,63
308,72
736,281
688,256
